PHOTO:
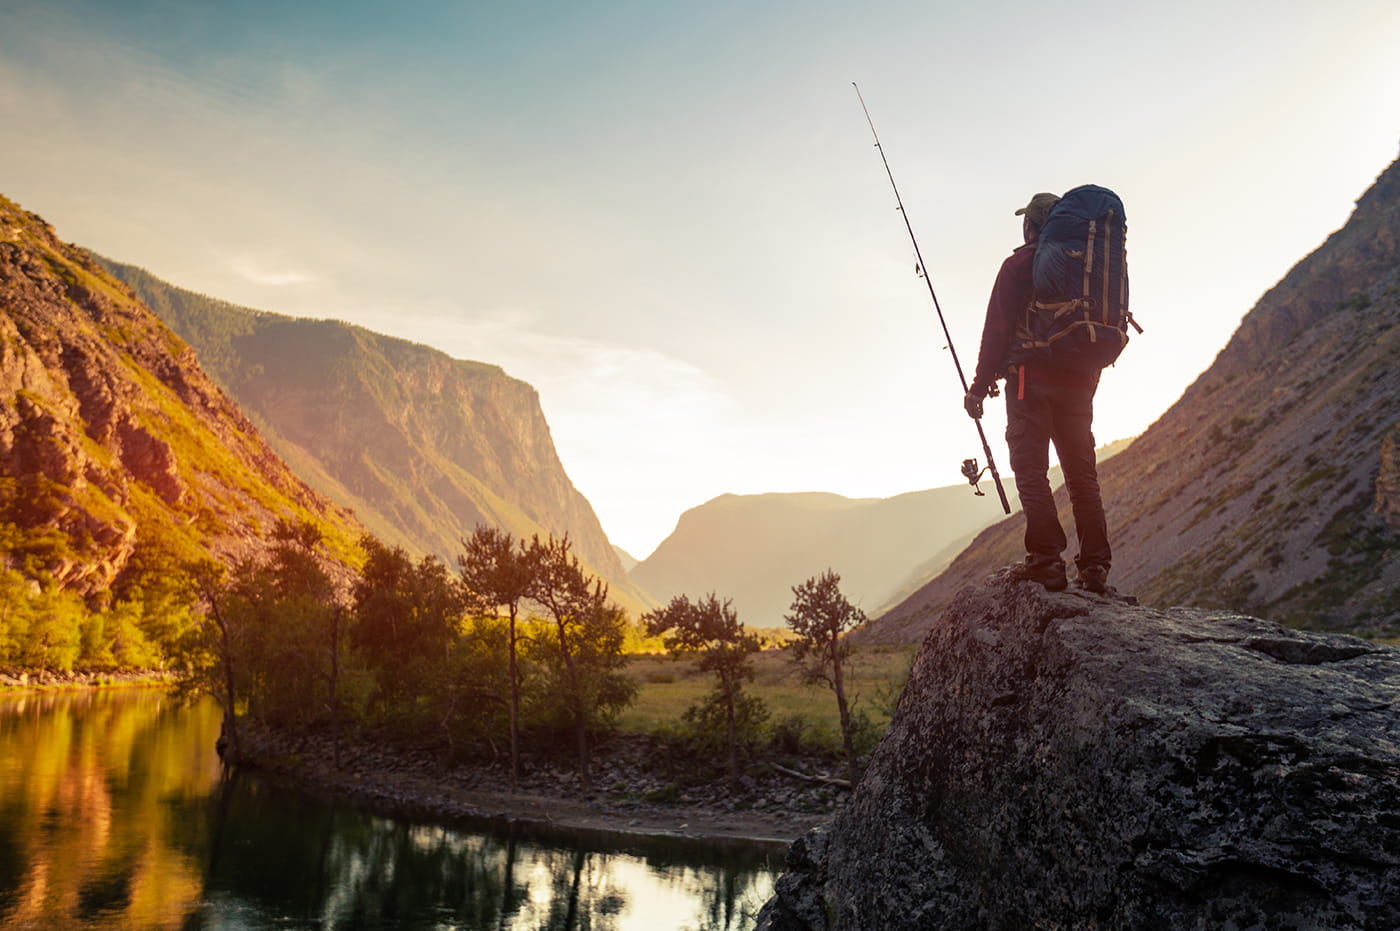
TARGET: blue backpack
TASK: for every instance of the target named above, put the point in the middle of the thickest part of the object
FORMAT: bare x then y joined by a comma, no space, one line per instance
1079,316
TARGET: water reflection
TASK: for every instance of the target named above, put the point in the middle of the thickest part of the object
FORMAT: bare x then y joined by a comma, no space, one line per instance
115,813
93,789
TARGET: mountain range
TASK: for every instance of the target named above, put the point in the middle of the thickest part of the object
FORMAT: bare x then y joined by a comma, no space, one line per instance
114,444
1272,487
422,447
755,548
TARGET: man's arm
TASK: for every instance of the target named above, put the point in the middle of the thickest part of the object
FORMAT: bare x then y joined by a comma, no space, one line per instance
1011,295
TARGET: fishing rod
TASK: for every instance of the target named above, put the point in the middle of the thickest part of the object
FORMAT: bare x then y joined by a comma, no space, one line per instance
969,466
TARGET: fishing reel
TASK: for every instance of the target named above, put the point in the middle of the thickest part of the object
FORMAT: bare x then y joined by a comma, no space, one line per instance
974,475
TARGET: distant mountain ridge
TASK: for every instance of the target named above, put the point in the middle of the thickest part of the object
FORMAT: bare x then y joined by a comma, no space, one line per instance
755,548
422,446
628,561
114,444
1271,486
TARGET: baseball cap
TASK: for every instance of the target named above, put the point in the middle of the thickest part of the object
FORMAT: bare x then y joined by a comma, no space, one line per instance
1039,207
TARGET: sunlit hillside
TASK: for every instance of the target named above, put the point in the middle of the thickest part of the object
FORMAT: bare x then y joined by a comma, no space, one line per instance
114,445
422,446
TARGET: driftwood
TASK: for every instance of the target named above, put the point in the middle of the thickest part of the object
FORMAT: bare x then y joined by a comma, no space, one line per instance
819,777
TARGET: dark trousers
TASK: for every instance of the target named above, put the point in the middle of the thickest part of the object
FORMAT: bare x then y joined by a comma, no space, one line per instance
1039,412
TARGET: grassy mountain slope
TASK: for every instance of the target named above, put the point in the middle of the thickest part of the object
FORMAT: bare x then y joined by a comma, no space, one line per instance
1270,487
112,439
422,446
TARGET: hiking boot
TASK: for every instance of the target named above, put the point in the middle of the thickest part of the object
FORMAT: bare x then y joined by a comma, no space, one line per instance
1093,579
1051,575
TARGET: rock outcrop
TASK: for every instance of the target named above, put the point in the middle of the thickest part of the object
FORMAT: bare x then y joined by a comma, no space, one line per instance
111,437
1071,761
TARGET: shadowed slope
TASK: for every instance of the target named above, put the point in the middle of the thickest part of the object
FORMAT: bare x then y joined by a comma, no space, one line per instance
1269,487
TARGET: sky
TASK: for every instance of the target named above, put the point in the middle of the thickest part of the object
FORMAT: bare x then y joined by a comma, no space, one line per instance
670,218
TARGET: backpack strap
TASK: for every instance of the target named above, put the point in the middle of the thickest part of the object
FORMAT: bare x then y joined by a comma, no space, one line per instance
1089,256
1107,251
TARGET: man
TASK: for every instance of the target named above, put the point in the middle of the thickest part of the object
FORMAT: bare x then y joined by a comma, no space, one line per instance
1044,405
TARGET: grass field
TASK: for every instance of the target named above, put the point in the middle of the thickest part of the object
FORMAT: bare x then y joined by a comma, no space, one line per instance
667,685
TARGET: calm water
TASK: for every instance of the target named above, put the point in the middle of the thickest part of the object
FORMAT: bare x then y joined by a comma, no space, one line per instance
116,813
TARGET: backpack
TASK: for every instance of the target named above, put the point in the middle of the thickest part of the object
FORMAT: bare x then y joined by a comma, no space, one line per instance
1078,318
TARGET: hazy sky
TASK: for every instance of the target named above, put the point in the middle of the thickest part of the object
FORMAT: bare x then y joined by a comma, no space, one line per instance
670,219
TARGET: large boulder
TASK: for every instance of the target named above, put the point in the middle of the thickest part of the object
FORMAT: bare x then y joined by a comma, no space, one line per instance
1073,761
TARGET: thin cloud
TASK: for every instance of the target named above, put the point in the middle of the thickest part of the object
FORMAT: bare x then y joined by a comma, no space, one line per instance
255,271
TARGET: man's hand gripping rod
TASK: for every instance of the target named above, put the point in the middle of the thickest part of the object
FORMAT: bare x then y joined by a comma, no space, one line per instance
969,471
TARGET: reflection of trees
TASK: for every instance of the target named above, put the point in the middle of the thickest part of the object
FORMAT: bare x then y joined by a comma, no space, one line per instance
378,872
93,787
583,893
286,854
732,899
113,815
721,897
349,868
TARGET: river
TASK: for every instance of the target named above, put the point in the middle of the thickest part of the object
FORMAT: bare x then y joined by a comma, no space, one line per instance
115,813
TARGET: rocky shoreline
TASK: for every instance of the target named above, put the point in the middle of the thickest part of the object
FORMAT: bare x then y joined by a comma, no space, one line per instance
12,680
640,788
635,793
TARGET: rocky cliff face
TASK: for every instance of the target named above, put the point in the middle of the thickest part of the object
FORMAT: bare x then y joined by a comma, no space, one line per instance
111,437
1388,480
1269,487
422,446
1071,761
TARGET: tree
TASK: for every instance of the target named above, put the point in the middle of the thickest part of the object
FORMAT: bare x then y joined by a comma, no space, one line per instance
711,629
157,591
276,619
208,653
499,574
820,615
405,619
586,641
41,627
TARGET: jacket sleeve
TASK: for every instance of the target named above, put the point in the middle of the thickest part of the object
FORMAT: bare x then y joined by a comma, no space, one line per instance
1011,295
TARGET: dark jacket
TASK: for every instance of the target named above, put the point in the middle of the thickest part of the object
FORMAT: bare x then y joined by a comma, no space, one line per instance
1006,311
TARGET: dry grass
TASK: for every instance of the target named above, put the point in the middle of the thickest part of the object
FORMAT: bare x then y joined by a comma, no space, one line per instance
668,685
